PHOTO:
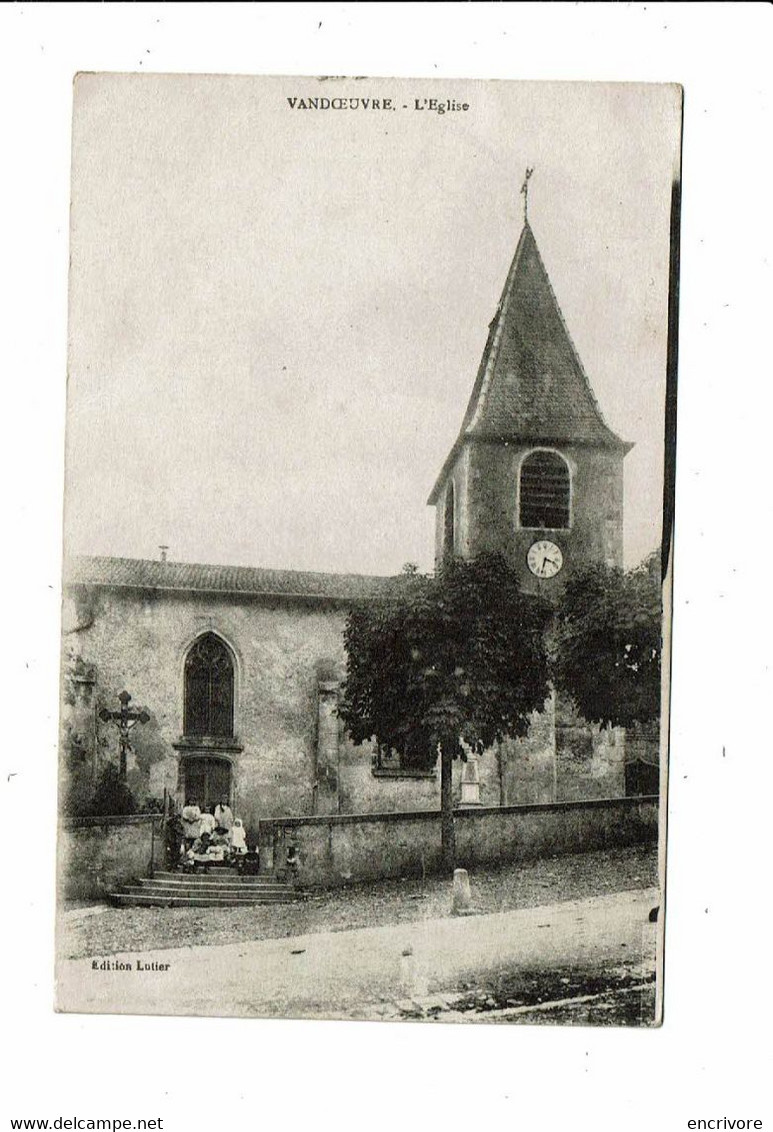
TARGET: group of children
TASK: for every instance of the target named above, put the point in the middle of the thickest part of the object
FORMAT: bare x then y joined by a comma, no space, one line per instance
211,838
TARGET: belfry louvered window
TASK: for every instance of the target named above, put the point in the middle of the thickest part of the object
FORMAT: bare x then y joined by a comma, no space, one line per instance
209,689
544,492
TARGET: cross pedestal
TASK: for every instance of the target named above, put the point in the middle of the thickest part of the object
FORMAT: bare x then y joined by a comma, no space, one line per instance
470,782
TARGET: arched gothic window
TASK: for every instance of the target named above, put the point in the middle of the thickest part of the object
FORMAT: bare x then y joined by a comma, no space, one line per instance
209,689
544,491
448,522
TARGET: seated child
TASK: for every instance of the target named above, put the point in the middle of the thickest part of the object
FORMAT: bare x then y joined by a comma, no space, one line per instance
199,851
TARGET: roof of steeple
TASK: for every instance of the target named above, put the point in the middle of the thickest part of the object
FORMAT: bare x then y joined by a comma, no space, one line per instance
530,385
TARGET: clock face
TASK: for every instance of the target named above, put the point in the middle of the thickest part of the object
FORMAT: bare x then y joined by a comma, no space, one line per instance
544,559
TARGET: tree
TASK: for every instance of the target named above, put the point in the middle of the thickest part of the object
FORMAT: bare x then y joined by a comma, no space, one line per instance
77,735
112,795
456,658
607,643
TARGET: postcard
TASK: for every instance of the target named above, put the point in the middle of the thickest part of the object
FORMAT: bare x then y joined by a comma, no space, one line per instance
368,530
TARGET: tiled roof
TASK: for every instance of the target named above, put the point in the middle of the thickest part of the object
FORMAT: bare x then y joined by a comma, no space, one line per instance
530,384
142,573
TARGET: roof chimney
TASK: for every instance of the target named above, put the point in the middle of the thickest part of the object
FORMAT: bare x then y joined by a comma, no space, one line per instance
163,548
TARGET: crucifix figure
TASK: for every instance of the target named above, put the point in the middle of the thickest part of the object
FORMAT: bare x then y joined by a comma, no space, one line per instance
126,718
525,191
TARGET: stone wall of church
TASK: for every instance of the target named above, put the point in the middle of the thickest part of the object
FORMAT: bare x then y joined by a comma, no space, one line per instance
528,765
458,482
295,757
283,650
590,760
290,755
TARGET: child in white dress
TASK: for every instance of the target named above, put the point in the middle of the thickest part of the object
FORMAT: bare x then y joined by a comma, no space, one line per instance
238,837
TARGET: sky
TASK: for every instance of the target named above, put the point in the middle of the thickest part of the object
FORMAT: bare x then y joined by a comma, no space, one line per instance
276,315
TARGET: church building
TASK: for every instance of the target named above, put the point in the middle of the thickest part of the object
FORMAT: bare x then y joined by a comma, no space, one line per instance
238,668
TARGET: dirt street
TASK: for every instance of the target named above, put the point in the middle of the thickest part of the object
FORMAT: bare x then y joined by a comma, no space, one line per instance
357,973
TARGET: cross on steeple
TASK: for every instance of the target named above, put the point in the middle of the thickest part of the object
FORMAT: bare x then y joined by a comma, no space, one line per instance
525,191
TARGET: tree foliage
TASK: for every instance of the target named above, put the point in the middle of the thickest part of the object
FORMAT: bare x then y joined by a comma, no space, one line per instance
607,644
76,747
463,658
458,656
112,796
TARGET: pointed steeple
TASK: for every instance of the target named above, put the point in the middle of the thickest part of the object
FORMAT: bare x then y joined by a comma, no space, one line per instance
531,385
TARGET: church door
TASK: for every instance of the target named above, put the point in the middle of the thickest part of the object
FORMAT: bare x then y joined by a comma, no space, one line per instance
206,781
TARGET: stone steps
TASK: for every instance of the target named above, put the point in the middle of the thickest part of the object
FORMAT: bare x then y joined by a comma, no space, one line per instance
242,892
220,878
222,888
140,898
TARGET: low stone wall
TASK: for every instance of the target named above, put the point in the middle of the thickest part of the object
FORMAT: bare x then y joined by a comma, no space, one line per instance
96,854
338,849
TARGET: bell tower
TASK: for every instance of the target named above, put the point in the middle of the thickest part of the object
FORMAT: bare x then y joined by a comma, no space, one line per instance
535,473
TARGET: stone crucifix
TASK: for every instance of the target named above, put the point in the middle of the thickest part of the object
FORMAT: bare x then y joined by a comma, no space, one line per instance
125,719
